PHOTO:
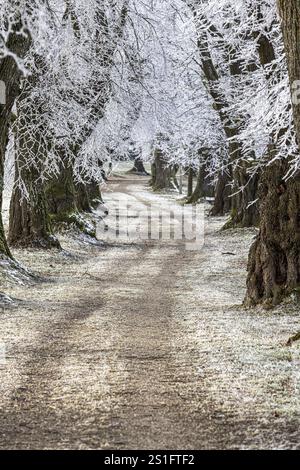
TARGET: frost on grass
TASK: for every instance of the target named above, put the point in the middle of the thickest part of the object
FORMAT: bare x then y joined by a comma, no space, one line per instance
247,369
149,334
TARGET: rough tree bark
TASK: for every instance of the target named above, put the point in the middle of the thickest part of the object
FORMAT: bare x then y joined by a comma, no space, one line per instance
88,196
61,196
30,224
274,260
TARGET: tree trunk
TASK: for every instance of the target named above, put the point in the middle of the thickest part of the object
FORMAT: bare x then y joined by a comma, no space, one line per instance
274,260
88,196
190,182
202,188
82,198
65,200
61,196
4,249
243,212
138,167
94,193
30,224
222,203
61,202
162,174
244,206
290,14
10,75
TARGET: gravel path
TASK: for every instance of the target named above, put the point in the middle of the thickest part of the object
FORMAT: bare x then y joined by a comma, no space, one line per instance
145,346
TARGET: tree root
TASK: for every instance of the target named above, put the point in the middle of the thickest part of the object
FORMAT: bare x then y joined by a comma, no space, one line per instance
293,339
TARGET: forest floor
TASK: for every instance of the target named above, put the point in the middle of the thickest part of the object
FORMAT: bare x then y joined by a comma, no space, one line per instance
146,346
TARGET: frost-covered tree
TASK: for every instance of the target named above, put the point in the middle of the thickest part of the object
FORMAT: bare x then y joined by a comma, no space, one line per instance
63,100
197,83
243,65
16,24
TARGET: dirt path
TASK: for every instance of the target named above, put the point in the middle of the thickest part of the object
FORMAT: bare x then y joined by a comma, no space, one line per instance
145,346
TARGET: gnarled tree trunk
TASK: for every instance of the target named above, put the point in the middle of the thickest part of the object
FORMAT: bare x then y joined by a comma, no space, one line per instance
274,260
